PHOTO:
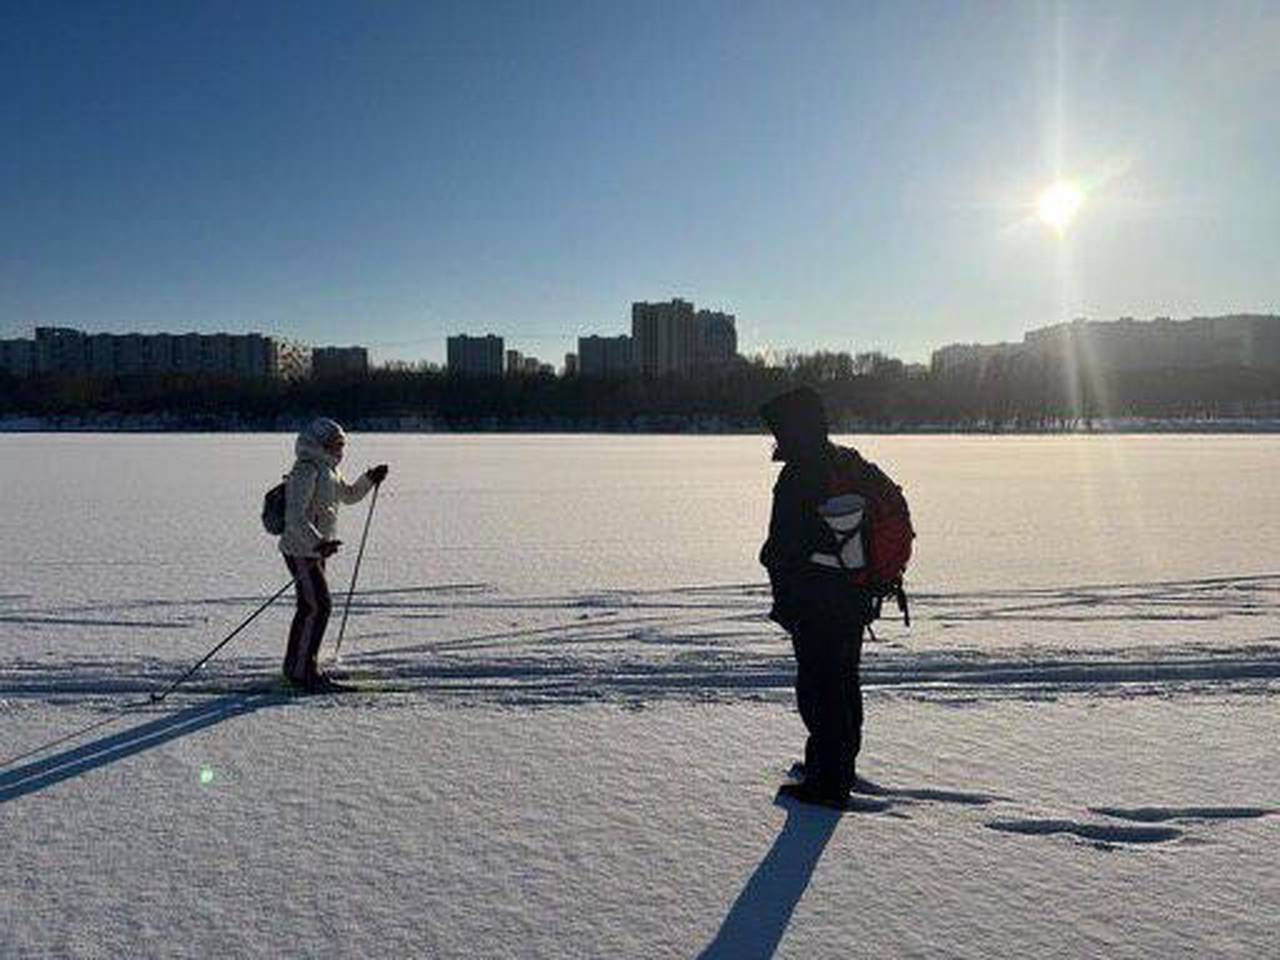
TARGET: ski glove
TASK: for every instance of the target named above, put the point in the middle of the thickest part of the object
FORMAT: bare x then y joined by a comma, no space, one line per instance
327,548
377,474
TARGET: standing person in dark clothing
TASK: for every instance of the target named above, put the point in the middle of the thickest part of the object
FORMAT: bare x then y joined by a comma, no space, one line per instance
313,490
817,604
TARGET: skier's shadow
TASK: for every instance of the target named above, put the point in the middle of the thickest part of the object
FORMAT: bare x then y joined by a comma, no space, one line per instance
759,917
39,774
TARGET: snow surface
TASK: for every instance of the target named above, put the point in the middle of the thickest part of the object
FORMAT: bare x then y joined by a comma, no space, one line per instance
577,714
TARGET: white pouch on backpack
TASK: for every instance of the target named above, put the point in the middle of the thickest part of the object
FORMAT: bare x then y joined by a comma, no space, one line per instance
844,514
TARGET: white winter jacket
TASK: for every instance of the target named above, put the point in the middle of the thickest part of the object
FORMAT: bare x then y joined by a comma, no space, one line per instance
313,490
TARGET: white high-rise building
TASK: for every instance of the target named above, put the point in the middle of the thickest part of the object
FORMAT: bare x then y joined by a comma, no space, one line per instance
475,356
671,338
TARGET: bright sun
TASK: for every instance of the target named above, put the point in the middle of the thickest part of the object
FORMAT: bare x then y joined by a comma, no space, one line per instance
1059,204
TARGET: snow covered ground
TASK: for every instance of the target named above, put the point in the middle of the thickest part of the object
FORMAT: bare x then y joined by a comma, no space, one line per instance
578,715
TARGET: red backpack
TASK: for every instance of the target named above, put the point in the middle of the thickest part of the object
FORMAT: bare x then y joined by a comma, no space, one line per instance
869,517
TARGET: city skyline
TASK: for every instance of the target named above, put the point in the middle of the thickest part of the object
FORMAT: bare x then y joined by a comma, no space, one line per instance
691,342
844,177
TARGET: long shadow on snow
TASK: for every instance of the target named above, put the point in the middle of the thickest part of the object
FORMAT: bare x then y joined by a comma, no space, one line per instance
39,774
759,917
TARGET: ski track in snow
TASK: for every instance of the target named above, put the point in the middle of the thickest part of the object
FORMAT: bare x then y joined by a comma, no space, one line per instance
698,643
707,642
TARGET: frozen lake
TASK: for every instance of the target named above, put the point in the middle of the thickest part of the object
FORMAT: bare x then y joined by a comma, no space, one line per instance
581,712
1116,547
564,513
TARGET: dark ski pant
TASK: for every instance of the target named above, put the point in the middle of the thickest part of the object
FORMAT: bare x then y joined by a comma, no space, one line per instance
310,617
829,695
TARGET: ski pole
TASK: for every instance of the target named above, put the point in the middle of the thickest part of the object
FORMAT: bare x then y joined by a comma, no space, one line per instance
346,610
156,697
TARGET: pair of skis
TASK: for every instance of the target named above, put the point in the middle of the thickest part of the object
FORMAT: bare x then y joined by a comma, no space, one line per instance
159,695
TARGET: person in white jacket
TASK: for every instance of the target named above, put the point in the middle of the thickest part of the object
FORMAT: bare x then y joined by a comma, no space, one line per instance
313,490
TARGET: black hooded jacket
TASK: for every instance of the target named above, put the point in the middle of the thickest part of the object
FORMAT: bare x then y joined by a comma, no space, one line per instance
803,592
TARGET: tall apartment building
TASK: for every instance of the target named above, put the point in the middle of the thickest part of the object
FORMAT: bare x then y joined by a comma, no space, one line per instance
18,357
475,356
339,362
671,338
604,356
662,337
69,352
958,356
715,339
1241,340
1244,340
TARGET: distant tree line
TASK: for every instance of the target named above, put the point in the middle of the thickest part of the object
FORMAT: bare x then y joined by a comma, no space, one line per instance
867,391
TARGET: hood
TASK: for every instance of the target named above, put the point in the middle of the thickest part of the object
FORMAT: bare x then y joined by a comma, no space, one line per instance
310,444
798,422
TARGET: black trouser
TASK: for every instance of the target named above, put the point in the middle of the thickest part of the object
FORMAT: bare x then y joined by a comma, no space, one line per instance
309,618
829,695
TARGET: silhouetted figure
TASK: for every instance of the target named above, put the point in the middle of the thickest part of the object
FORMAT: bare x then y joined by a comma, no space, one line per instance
313,490
815,603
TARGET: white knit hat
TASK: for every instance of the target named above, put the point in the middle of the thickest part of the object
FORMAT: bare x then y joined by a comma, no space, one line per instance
324,431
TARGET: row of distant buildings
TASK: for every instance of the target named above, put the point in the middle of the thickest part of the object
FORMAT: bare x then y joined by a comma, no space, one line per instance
63,351
1128,345
666,338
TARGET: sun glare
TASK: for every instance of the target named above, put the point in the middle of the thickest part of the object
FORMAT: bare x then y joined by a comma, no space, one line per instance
1058,205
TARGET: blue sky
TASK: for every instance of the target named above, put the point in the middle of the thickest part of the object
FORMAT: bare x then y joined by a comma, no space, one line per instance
844,175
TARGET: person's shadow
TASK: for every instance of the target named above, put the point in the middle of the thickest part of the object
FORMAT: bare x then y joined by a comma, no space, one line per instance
759,917
39,774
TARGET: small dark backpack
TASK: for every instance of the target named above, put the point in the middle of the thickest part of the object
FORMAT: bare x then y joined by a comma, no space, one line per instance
273,504
871,522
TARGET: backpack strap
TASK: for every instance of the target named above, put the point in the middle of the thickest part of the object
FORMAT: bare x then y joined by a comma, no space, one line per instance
876,604
900,594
